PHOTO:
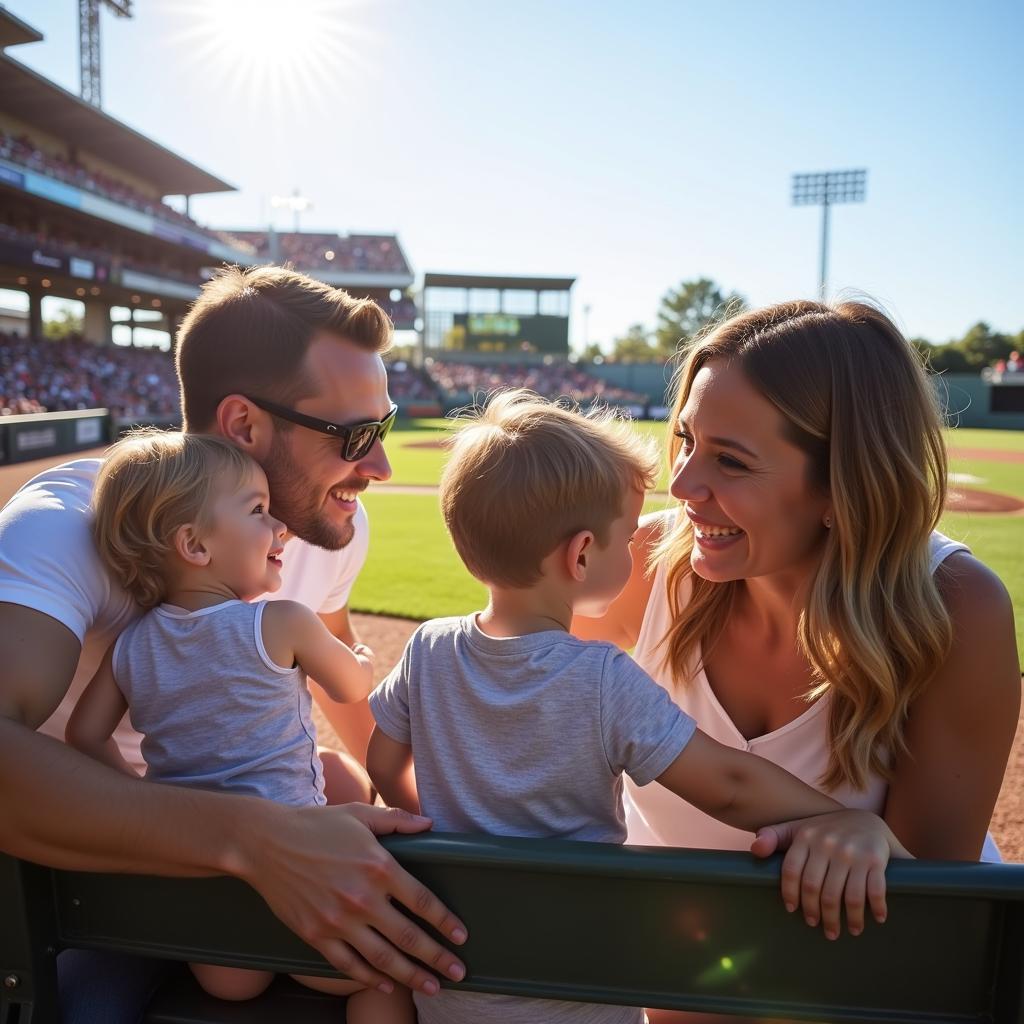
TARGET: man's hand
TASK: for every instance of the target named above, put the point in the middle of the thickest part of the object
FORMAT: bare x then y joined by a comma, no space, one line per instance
322,872
833,860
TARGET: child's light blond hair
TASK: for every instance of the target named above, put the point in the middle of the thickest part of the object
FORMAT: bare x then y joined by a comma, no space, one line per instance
151,483
526,474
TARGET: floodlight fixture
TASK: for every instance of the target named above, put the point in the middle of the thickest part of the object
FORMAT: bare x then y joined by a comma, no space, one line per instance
824,189
297,203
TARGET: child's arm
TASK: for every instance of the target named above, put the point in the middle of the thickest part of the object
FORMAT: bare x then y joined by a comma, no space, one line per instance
740,788
294,634
838,860
91,726
390,766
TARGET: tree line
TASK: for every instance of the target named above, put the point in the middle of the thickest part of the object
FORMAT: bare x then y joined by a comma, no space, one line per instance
694,306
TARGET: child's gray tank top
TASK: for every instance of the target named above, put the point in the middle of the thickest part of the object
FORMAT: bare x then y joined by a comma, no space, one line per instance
214,711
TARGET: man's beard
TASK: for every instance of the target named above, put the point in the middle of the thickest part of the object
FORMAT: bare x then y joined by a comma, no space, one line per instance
296,505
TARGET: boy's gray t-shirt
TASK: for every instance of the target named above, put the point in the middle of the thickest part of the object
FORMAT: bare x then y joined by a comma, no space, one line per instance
527,736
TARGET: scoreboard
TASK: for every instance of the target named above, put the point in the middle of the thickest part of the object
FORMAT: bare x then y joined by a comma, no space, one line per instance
505,332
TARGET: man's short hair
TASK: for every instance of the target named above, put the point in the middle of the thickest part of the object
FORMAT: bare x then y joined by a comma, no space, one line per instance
526,474
248,333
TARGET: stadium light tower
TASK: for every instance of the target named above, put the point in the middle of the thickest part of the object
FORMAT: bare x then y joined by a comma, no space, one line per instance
296,202
824,189
89,43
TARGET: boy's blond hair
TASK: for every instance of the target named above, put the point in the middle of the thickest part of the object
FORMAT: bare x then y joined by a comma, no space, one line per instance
151,483
526,474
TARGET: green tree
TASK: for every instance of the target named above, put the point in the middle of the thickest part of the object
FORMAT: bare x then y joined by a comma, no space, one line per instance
982,346
634,346
942,358
65,324
685,311
591,352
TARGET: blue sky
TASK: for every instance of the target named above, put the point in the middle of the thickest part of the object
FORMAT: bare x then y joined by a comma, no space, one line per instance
631,146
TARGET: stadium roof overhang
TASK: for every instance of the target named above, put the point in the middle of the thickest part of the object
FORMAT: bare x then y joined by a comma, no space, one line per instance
533,284
39,102
13,31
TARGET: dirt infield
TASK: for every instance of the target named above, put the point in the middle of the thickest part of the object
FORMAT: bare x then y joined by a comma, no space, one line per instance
434,445
12,477
967,499
986,455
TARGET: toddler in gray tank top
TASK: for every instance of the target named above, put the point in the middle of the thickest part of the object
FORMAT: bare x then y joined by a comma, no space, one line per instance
214,681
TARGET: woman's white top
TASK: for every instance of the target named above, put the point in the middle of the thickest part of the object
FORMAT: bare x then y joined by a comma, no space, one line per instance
656,817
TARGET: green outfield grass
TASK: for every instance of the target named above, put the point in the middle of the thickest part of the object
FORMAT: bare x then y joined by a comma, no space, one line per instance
417,457
413,571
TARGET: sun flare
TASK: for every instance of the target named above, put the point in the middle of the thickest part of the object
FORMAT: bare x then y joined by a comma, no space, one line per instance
272,50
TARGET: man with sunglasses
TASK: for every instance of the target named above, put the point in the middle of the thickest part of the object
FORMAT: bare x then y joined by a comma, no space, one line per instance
289,370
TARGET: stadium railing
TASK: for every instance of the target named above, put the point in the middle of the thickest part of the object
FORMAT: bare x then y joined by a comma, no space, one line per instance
651,927
45,434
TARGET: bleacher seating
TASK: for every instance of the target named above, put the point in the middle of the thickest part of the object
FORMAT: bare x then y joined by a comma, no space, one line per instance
472,381
53,376
57,240
135,384
22,150
407,385
311,251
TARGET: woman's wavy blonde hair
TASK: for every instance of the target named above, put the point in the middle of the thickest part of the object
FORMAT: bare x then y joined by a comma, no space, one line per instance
151,483
856,398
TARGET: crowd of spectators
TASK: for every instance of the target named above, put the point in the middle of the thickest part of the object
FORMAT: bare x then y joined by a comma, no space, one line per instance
139,384
403,312
62,242
53,376
1012,364
408,385
1005,371
462,381
20,149
135,384
311,250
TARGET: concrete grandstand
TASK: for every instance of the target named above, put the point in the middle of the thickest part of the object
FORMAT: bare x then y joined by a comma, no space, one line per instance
82,214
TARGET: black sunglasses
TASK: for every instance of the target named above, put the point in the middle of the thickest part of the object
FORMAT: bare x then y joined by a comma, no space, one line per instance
358,438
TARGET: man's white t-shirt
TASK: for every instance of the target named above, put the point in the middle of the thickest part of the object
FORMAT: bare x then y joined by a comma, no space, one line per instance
48,562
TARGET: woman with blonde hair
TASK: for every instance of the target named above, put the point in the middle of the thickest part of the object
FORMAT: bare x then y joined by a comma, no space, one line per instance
799,603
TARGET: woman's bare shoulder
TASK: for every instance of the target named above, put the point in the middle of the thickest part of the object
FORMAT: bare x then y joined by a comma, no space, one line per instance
972,592
984,650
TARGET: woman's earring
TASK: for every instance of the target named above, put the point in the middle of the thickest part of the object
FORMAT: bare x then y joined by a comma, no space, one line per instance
828,522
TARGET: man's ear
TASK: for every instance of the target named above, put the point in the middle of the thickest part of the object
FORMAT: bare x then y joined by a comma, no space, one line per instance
245,425
189,546
577,554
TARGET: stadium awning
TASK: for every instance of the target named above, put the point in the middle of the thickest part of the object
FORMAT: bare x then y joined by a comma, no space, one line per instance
14,32
533,284
39,102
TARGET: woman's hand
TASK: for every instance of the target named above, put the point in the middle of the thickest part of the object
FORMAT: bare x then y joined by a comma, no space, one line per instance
833,860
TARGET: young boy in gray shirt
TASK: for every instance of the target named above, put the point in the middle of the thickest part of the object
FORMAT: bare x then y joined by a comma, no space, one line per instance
518,728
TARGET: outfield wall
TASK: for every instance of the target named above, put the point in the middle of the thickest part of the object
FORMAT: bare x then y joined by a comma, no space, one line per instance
969,401
23,438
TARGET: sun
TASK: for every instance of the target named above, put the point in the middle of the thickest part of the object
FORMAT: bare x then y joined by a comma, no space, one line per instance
274,51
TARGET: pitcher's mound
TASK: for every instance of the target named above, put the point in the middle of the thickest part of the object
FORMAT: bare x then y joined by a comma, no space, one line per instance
966,499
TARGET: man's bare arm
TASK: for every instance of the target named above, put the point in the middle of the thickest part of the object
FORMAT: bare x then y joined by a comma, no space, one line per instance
321,870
